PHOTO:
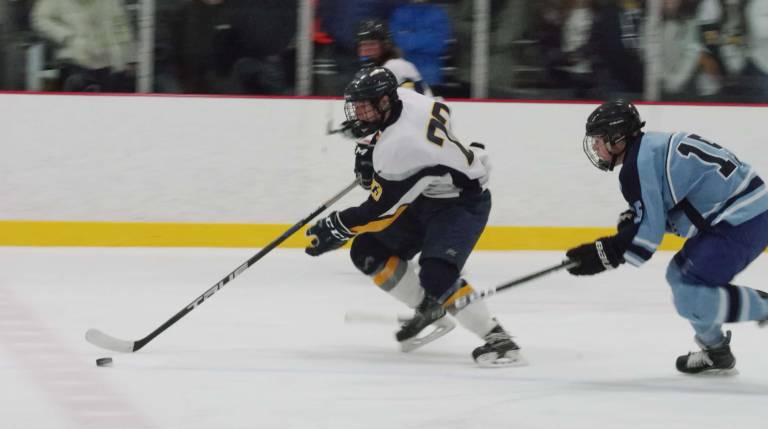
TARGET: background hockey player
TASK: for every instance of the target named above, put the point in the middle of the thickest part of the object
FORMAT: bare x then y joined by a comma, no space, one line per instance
375,48
428,195
694,188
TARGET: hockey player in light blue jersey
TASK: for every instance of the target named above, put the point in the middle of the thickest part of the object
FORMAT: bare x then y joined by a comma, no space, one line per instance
683,184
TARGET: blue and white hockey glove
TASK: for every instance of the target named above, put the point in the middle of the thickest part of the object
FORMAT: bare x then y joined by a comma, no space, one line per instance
594,257
327,234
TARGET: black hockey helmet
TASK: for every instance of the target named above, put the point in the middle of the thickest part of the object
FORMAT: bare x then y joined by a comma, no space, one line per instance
373,29
370,84
614,122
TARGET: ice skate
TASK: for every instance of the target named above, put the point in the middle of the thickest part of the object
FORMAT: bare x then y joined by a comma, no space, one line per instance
499,350
428,313
710,360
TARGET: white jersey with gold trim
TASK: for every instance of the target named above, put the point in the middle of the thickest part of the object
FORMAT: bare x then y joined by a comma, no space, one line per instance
408,76
417,155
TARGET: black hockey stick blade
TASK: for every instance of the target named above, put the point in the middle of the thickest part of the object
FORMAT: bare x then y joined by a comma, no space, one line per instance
474,296
100,339
330,130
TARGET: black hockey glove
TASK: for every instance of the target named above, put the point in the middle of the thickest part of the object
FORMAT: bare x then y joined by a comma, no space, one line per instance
327,234
626,219
364,165
594,257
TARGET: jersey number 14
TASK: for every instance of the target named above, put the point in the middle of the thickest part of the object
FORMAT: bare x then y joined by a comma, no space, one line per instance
727,162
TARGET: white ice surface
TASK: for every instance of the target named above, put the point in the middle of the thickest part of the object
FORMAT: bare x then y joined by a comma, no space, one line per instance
272,350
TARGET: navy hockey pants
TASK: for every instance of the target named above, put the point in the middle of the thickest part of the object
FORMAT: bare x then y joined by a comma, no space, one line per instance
700,276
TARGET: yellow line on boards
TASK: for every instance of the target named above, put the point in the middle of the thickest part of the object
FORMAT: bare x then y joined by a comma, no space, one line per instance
158,234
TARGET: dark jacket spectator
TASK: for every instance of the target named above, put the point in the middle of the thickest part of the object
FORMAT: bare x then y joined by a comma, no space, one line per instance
615,44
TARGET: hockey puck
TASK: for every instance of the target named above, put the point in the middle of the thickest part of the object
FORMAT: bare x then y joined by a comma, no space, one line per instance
107,361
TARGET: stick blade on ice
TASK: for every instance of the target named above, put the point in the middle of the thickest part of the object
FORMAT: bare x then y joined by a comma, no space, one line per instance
100,339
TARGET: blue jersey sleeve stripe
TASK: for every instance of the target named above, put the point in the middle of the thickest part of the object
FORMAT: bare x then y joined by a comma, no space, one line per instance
645,244
633,259
640,252
754,184
747,200
668,169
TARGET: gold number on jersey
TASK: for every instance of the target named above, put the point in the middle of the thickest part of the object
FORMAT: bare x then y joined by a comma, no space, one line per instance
438,123
376,190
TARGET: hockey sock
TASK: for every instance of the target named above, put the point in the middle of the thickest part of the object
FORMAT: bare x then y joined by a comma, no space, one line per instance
398,278
475,317
745,304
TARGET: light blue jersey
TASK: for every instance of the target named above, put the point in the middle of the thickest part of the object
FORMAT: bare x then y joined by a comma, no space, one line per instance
682,183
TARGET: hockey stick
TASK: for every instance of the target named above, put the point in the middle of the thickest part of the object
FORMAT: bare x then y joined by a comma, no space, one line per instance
100,339
355,317
330,130
474,296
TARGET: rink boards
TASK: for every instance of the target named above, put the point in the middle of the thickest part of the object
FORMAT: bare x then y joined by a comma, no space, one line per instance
90,170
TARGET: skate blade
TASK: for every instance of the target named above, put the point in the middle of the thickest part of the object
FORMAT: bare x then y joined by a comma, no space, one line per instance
441,327
716,373
492,360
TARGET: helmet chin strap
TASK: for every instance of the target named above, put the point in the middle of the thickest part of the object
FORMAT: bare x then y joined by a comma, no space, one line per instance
614,156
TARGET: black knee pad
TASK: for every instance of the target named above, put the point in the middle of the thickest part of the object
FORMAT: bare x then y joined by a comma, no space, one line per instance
437,277
368,254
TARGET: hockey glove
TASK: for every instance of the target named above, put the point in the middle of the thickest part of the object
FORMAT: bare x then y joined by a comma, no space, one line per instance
594,257
626,219
327,234
364,165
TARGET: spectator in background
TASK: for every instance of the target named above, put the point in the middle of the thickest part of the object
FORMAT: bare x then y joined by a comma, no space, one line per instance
93,41
562,29
577,68
510,22
235,46
614,46
724,30
421,30
340,19
265,31
204,45
688,69
756,71
375,48
166,71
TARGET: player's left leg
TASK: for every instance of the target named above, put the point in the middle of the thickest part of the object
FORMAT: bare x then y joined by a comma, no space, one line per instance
700,276
452,230
385,257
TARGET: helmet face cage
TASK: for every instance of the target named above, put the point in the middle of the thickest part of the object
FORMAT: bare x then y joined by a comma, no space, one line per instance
366,107
363,97
590,142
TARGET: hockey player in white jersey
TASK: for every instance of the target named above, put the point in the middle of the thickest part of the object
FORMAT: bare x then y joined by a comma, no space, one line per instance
687,185
428,195
375,48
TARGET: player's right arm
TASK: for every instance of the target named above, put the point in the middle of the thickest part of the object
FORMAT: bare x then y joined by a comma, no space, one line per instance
387,201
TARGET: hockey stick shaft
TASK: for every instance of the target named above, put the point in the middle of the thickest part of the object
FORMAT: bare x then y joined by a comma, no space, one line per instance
102,340
474,296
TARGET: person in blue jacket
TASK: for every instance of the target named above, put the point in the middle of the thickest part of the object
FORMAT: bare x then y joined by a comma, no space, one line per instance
684,184
422,31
